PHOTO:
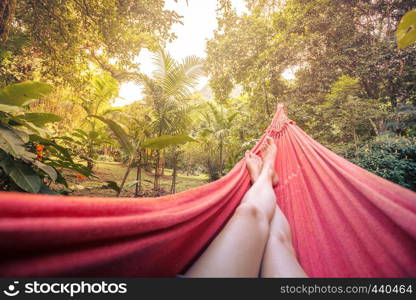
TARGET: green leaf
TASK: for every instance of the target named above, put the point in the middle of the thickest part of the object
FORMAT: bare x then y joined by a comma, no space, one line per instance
47,169
130,185
166,141
65,138
93,135
406,31
6,162
20,93
81,132
72,166
120,133
40,119
23,135
50,144
61,179
5,54
113,185
11,142
32,127
9,108
22,175
80,136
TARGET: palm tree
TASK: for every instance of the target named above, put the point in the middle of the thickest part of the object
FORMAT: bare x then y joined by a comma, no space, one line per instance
168,92
96,102
133,140
218,122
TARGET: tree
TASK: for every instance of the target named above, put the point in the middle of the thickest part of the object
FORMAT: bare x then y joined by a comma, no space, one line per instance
133,146
323,40
66,36
7,8
216,129
350,116
389,156
95,101
168,93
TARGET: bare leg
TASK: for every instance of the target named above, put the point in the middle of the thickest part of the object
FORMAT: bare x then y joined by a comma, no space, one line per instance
238,249
279,259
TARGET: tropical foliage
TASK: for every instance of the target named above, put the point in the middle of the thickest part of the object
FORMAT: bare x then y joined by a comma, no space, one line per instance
62,63
352,82
29,160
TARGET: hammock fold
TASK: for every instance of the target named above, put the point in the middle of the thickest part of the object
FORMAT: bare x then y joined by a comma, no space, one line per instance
345,221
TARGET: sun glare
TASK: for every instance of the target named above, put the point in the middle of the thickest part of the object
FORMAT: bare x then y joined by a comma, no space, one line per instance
128,93
199,22
289,74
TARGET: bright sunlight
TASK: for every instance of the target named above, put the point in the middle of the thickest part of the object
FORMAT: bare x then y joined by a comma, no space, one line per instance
199,23
259,138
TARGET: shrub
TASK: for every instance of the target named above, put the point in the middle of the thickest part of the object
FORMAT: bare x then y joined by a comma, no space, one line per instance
389,156
28,158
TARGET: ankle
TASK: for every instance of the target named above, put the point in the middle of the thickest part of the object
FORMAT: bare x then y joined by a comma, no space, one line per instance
267,173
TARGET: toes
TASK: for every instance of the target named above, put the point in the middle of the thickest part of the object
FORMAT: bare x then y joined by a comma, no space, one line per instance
275,180
265,146
263,149
260,161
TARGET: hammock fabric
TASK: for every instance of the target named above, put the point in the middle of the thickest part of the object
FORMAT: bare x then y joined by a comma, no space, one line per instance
345,221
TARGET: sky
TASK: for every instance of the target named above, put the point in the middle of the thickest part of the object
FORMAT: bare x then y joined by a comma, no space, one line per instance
199,23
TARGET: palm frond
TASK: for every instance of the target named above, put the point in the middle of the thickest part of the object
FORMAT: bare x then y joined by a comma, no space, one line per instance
231,117
183,77
165,64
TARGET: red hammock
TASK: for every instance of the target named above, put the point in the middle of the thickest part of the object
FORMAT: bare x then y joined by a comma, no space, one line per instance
346,222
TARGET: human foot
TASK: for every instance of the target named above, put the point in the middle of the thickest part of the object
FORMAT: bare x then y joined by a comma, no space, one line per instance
268,152
254,165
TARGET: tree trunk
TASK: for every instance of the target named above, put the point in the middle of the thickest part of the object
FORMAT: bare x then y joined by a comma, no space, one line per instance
162,165
374,126
355,142
175,162
156,180
381,125
91,148
90,163
147,165
7,8
156,186
266,99
124,180
221,156
138,175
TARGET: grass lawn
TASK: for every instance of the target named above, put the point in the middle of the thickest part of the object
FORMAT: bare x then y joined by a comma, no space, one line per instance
114,171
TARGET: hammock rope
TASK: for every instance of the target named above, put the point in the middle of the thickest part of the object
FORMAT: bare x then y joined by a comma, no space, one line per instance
345,221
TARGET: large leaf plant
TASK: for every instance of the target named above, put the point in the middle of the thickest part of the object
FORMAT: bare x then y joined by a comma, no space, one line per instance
29,160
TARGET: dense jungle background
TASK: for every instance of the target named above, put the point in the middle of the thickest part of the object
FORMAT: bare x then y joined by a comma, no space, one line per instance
345,69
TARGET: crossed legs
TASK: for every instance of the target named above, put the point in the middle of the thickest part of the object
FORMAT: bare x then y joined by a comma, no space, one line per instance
256,241
279,258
